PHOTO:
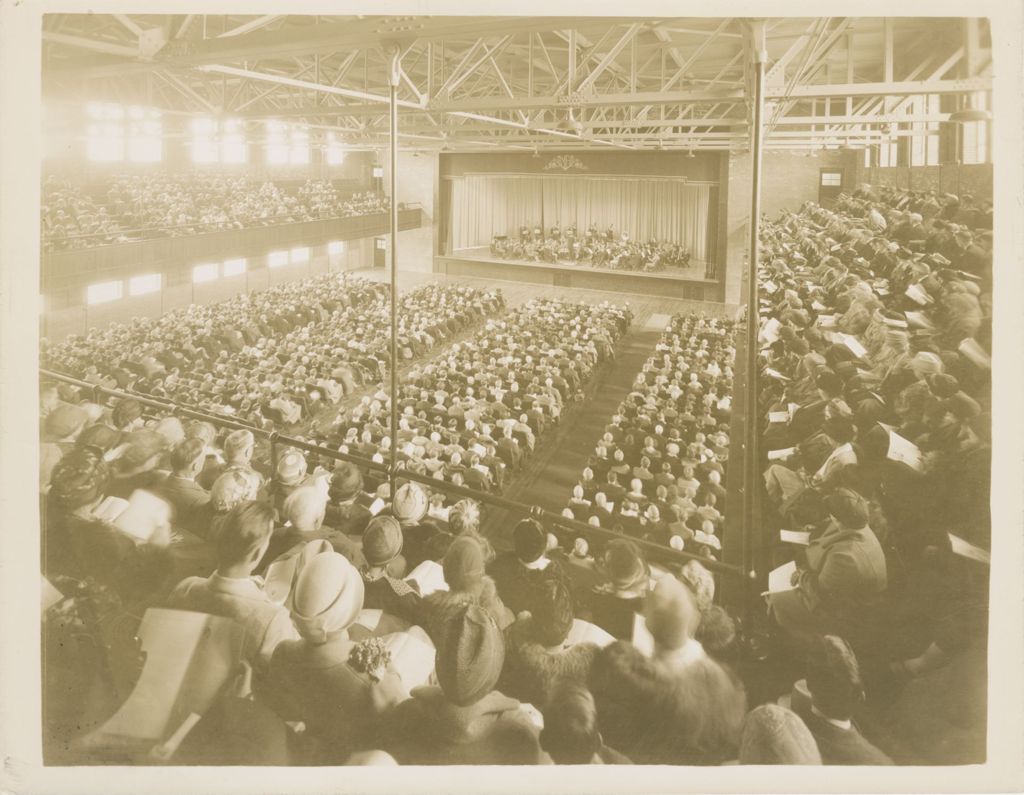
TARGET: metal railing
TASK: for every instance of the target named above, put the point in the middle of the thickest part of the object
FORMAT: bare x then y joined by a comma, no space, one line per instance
398,473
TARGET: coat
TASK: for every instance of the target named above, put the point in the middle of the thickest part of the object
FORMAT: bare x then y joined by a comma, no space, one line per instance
843,582
428,730
531,671
658,714
839,746
340,706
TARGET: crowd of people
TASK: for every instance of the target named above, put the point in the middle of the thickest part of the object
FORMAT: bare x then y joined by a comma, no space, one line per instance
160,205
875,404
601,249
657,473
275,358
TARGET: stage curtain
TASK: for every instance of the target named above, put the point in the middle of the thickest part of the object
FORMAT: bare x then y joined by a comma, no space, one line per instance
662,209
486,206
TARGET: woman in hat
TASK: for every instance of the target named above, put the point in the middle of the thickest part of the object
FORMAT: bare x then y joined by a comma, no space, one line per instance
614,604
336,686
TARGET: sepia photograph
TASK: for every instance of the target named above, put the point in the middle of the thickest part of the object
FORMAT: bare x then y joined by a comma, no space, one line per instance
558,389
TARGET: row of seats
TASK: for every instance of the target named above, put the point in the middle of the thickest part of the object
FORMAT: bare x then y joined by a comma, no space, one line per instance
657,472
274,358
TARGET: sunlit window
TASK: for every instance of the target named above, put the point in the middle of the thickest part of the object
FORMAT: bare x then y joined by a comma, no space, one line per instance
145,144
974,137
140,285
234,267
924,144
101,292
233,148
104,132
300,255
334,151
205,273
277,258
298,150
204,140
335,248
277,142
887,153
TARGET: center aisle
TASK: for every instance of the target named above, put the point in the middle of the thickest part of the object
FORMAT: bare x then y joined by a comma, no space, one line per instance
548,478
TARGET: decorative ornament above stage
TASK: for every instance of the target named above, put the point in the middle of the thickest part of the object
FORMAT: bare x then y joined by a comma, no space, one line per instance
565,163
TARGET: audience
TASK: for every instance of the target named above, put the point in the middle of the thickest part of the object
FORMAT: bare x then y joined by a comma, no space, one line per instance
159,205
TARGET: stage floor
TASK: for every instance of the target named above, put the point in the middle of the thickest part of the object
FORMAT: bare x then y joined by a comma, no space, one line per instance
695,270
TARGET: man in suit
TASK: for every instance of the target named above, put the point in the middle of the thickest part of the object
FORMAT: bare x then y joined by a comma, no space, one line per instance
180,488
836,693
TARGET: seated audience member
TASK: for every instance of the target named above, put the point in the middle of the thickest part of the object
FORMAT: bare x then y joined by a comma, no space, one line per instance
409,507
676,706
80,539
324,679
229,490
774,735
521,574
463,720
837,692
464,573
346,511
844,576
570,735
538,654
232,592
382,551
180,488
140,464
464,519
62,427
614,604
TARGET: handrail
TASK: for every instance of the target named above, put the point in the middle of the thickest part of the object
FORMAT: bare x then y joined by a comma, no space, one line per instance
400,472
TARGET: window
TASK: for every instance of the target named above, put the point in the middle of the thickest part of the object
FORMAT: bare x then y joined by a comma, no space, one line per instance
924,144
832,179
205,273
140,285
887,153
974,135
335,155
233,148
104,132
216,141
144,142
277,258
382,243
335,248
378,172
286,144
300,255
204,143
234,267
867,156
101,292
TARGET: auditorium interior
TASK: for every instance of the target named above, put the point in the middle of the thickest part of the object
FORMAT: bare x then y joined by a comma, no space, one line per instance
396,372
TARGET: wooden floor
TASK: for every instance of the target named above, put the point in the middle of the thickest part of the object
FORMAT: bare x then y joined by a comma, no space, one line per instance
643,306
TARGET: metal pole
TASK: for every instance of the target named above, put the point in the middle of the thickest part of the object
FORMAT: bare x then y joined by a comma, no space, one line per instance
393,96
751,525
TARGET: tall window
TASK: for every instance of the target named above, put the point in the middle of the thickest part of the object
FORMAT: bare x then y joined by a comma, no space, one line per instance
887,150
141,285
335,154
233,148
101,292
204,140
105,132
924,144
974,135
144,141
286,144
216,141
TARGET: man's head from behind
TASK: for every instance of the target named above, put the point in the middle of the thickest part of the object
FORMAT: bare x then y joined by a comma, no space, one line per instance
305,508
570,735
833,678
188,457
244,537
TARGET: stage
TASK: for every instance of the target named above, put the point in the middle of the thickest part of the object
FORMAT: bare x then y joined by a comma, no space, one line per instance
688,283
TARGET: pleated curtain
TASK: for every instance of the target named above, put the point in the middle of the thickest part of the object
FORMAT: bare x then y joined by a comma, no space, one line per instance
663,209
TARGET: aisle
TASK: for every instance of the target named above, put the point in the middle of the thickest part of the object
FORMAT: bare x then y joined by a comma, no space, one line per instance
548,478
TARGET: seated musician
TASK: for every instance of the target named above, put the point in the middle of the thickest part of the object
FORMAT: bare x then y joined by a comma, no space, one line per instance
556,233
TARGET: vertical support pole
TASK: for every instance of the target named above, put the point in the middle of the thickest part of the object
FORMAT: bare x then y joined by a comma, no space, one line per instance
751,480
393,414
